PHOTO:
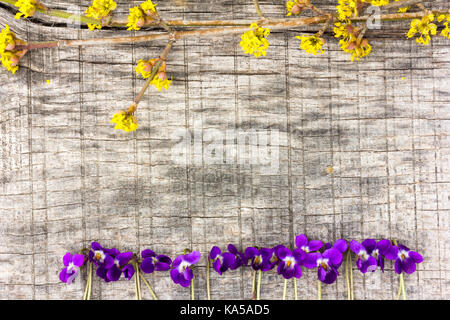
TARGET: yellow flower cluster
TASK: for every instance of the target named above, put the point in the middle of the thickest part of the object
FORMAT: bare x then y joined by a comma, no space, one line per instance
295,7
99,10
446,31
254,41
26,8
9,56
350,42
424,27
346,8
145,67
311,44
141,15
125,121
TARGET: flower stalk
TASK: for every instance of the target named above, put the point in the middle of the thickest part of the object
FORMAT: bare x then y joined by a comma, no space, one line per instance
137,283
295,289
258,288
154,71
254,286
192,289
258,9
87,290
155,297
319,290
208,286
284,289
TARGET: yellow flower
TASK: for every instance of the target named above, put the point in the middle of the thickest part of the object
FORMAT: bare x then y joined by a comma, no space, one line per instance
125,121
10,61
148,5
7,40
144,67
340,30
136,19
379,3
311,44
99,10
346,8
161,81
446,31
26,7
358,48
403,10
141,15
424,27
254,41
295,7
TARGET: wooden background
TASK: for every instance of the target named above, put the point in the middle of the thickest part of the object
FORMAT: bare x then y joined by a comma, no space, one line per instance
67,178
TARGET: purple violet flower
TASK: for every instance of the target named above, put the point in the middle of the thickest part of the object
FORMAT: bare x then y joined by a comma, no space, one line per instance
152,262
181,273
72,267
128,271
221,262
120,261
99,256
239,260
289,262
301,241
366,262
327,262
370,254
260,258
405,259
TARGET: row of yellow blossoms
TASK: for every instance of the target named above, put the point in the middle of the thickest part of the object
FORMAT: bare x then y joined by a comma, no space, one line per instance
253,42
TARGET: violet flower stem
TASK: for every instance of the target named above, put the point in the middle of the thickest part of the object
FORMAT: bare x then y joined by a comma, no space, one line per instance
347,277
295,289
254,286
88,297
87,283
208,287
319,290
137,283
258,288
192,290
401,289
352,295
284,289
155,297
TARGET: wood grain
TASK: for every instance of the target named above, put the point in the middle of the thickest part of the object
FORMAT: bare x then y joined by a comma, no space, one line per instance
67,178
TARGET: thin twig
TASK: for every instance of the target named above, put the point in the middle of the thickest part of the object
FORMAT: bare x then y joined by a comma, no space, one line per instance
258,9
154,71
274,24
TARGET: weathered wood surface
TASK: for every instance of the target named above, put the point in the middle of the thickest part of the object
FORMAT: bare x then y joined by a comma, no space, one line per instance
67,178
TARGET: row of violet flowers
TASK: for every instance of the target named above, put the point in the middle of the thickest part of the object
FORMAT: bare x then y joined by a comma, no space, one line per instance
327,258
